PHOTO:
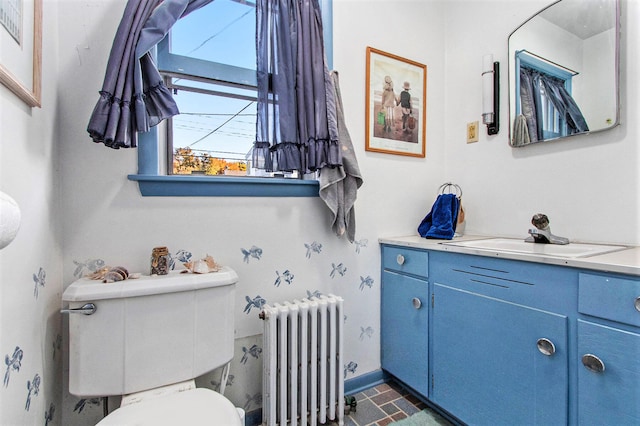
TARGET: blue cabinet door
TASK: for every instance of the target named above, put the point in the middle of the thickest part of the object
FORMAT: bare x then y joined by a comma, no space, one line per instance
404,329
486,364
609,385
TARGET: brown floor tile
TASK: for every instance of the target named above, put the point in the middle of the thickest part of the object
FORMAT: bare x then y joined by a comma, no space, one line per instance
399,416
385,397
399,388
384,404
383,387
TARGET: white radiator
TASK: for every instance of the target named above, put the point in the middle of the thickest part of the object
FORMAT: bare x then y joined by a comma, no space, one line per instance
303,380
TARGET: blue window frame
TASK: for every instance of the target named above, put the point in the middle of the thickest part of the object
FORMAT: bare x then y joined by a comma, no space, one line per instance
554,125
154,181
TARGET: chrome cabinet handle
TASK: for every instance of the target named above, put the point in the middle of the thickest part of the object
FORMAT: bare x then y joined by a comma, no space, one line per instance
546,346
593,363
86,309
400,259
416,303
637,303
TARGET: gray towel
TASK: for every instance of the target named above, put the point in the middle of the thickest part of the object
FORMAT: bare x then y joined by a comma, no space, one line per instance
339,185
520,131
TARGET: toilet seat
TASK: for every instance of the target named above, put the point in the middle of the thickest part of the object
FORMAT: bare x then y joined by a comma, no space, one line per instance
195,407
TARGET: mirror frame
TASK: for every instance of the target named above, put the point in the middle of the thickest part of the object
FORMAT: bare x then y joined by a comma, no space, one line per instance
512,88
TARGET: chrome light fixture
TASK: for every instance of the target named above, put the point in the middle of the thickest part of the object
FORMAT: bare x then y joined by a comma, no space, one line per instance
490,94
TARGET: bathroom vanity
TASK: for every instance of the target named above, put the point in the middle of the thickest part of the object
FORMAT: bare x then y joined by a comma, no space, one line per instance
495,336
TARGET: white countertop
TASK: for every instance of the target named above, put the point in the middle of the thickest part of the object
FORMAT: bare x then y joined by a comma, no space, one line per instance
625,261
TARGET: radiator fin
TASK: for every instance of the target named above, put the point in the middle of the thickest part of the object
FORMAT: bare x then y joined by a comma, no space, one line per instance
303,382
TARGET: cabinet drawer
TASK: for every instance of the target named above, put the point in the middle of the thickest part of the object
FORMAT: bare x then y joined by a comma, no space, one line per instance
615,299
402,259
546,287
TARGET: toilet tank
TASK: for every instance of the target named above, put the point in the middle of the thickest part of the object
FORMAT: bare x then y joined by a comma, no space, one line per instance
149,332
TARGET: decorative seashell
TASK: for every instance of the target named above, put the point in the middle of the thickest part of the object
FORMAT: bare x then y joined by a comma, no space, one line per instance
99,273
213,266
202,266
119,273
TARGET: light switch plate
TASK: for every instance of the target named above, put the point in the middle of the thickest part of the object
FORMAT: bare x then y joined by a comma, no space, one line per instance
472,132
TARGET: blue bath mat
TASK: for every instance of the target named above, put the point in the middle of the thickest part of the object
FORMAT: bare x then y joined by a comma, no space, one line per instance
422,418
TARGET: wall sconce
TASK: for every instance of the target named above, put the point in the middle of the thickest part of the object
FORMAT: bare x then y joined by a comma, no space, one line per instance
491,94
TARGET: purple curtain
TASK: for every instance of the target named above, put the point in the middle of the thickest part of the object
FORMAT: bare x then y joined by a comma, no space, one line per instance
133,97
532,83
296,125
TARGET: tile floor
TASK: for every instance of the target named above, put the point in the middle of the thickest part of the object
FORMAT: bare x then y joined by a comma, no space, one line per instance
385,404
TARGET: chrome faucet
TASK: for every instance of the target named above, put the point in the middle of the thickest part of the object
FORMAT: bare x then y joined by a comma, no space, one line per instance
542,232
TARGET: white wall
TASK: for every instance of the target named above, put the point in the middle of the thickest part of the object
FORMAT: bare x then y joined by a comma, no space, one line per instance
601,108
588,185
83,208
31,266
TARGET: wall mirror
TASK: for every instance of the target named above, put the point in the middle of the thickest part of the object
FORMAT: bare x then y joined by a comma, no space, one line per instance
563,72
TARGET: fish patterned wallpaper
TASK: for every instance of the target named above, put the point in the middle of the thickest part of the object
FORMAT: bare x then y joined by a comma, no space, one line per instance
32,363
288,273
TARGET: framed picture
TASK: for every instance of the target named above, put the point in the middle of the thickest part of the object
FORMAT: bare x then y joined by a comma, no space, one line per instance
396,101
21,48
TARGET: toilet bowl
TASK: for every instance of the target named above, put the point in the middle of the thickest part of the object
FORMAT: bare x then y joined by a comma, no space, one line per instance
196,407
148,339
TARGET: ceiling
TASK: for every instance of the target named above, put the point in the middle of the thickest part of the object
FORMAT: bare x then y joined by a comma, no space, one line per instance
583,18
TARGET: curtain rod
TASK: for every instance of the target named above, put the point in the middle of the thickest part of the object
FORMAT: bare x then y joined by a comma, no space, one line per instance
549,61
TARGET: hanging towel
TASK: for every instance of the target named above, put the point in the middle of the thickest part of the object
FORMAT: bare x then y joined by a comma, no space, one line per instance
440,222
339,185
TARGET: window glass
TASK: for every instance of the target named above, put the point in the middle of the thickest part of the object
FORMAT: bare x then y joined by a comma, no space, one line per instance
222,31
553,124
215,130
213,134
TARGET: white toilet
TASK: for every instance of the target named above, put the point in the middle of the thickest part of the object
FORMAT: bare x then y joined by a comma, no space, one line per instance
148,339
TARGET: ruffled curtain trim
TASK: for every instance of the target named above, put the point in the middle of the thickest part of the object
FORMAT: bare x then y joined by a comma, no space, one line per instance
291,156
287,157
111,122
323,153
261,157
159,105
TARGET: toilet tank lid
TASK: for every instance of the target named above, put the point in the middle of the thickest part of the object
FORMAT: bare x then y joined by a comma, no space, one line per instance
85,289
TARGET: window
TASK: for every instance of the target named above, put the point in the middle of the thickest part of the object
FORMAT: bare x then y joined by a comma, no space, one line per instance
214,133
209,62
553,121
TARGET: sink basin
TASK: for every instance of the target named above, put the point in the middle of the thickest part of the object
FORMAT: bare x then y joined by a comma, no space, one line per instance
572,250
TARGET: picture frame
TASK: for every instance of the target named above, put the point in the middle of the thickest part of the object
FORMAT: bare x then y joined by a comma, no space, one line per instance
395,121
21,51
